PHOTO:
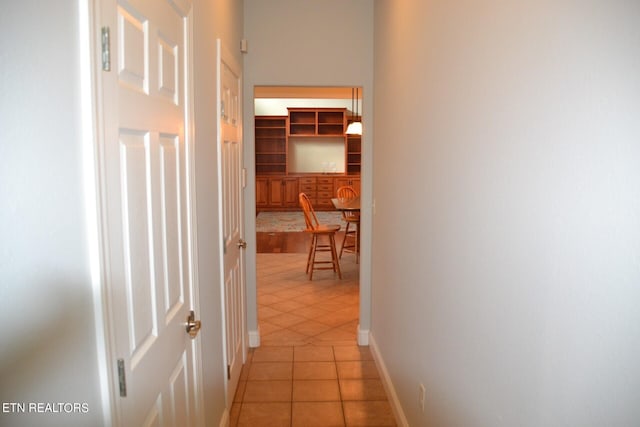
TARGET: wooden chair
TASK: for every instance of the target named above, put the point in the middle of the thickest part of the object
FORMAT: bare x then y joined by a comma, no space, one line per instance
351,241
318,230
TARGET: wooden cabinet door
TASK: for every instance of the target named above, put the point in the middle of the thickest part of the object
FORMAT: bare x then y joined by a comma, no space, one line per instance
352,182
291,189
276,192
283,192
262,192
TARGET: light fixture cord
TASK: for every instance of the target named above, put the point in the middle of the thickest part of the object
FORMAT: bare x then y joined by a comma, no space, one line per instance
357,104
352,100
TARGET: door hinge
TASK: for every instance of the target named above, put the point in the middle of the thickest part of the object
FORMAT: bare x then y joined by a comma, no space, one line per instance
106,49
228,372
121,378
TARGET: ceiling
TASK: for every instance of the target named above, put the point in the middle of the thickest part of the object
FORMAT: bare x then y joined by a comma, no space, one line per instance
304,92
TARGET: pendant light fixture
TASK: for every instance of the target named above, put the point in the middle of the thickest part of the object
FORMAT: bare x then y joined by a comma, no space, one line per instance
355,127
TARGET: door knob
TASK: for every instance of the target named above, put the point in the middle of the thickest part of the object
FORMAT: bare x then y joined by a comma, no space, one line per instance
242,244
193,325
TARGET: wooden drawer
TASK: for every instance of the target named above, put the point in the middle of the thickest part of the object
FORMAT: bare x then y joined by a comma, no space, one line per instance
308,180
326,188
325,180
309,187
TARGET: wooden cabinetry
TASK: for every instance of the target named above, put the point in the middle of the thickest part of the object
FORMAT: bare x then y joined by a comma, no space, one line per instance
278,186
347,180
262,192
317,121
271,144
277,192
281,192
320,190
273,133
326,190
309,186
354,154
287,197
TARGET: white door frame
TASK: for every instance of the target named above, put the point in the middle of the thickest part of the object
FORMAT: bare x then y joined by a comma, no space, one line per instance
368,209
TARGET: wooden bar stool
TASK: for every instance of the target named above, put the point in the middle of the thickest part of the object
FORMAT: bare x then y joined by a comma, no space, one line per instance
317,231
351,241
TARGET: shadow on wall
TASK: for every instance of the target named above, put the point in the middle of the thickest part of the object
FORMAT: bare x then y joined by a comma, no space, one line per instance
48,373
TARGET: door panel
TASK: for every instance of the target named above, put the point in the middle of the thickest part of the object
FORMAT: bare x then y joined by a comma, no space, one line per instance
139,274
173,284
179,391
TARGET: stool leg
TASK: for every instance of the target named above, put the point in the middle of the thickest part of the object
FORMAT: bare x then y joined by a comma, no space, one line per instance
334,255
344,241
313,237
312,256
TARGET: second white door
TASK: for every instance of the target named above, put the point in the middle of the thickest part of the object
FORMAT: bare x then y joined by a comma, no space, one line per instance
230,155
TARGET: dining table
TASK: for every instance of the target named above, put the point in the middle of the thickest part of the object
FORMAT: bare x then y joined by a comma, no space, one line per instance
351,205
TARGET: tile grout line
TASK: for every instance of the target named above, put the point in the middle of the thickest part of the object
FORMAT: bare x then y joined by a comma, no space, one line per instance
293,361
344,412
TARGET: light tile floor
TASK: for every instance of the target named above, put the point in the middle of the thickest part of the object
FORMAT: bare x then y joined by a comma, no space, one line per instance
309,370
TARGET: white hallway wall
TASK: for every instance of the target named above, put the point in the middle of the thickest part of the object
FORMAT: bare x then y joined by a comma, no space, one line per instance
308,43
515,272
48,350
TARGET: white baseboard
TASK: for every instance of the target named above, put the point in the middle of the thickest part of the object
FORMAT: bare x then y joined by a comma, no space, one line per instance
225,420
363,336
254,338
401,419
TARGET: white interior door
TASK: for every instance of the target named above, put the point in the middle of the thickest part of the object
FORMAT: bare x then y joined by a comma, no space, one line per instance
230,155
145,110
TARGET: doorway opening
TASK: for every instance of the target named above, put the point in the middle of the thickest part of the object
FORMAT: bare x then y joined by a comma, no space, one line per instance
301,146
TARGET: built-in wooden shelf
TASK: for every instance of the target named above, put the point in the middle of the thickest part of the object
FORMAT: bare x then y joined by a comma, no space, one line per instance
276,186
271,144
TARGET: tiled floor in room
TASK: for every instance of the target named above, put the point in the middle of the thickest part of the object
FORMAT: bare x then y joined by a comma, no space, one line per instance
309,370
